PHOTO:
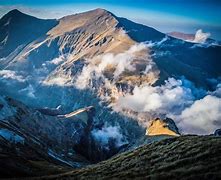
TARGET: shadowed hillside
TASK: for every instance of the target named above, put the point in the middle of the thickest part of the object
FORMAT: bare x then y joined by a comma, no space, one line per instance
186,157
18,29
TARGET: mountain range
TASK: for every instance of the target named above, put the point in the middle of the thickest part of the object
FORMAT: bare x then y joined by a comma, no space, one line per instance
78,90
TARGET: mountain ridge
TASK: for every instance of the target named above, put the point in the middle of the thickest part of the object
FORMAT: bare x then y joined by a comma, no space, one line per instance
22,25
78,36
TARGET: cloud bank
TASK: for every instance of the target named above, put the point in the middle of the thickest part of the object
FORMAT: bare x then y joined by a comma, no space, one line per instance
194,110
202,117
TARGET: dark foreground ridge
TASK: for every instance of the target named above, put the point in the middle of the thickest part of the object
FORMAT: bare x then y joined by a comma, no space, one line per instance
185,157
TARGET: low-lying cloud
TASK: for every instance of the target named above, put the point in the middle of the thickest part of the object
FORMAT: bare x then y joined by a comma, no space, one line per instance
194,110
9,74
119,63
108,133
160,99
202,117
201,37
29,91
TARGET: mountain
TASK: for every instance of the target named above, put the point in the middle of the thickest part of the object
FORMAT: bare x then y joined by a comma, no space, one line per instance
86,35
86,87
18,29
198,37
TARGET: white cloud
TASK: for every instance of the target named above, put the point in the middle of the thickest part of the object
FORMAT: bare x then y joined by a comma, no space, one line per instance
157,43
57,61
201,37
193,110
8,74
202,117
120,62
146,102
172,96
109,132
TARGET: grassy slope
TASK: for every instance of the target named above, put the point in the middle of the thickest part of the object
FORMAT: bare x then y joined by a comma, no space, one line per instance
185,157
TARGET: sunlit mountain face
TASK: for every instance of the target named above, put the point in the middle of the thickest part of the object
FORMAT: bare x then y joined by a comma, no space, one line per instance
83,81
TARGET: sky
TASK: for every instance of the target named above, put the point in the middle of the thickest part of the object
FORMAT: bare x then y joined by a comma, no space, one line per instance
164,15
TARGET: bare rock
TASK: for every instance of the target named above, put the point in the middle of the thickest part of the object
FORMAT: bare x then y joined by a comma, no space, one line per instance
162,127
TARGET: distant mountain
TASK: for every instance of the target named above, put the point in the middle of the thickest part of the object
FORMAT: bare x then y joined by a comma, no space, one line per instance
183,36
192,37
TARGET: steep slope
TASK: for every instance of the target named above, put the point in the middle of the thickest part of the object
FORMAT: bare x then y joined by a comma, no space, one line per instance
77,40
140,32
24,155
185,157
53,137
18,29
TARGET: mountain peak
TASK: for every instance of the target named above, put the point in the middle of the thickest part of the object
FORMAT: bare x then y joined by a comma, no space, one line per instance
100,10
17,28
14,13
97,12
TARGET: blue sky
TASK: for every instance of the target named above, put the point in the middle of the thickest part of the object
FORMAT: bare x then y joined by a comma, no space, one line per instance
164,15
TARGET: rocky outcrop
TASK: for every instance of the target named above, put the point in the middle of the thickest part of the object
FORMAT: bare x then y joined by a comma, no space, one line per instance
51,111
162,127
